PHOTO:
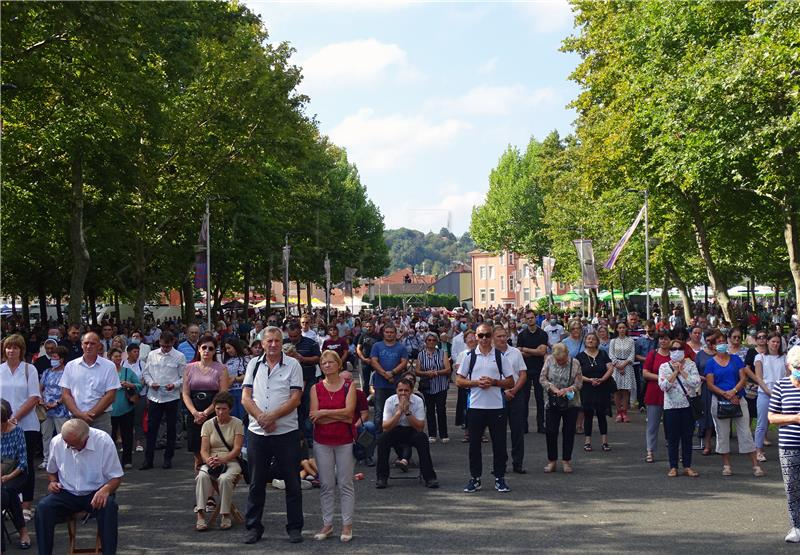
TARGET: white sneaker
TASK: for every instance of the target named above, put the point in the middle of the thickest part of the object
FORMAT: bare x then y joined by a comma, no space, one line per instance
43,465
278,484
793,536
139,449
305,484
432,440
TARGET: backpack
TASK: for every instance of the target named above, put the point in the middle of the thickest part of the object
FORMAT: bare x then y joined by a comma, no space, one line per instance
498,358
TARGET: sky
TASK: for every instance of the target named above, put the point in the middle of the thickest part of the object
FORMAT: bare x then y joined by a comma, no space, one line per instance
426,96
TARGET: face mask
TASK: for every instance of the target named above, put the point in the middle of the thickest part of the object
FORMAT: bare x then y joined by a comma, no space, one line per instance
53,337
796,374
553,322
722,348
54,362
570,395
462,326
676,356
135,341
523,326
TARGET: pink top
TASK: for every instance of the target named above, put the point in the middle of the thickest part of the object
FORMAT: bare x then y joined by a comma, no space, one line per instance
201,379
332,433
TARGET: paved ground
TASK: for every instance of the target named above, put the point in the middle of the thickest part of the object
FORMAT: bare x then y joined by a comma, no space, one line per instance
614,502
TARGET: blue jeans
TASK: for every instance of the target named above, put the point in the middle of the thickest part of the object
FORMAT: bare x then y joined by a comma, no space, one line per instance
762,424
359,452
56,507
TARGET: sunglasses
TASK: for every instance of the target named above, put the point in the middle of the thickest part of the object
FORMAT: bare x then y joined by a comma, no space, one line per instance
207,348
761,337
484,335
676,348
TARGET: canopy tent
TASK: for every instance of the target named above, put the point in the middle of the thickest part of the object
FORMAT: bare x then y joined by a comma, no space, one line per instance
606,295
315,302
567,297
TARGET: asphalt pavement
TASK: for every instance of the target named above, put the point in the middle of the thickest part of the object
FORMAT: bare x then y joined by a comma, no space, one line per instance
613,502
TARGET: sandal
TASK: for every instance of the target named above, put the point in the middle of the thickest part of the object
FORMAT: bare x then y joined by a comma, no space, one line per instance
225,522
606,447
587,447
550,467
673,472
690,472
650,458
758,472
201,524
566,467
706,451
727,470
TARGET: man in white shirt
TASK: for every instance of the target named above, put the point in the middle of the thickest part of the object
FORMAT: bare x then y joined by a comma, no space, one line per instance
555,331
163,376
403,422
83,472
89,385
515,399
305,325
486,373
271,392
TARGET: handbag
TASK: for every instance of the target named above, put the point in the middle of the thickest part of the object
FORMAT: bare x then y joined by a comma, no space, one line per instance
217,471
241,460
7,465
695,403
131,394
366,440
726,409
557,402
41,412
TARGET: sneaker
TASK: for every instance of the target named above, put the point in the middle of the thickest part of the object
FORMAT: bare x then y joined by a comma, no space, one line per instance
305,484
278,484
139,449
793,536
42,465
295,536
473,485
127,466
432,439
370,461
445,440
432,484
501,486
380,483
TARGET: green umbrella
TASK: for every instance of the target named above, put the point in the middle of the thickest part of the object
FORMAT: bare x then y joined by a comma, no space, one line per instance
606,295
567,297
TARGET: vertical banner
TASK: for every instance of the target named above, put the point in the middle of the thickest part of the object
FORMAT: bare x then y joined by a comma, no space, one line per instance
612,259
548,263
349,274
327,290
200,267
586,257
287,250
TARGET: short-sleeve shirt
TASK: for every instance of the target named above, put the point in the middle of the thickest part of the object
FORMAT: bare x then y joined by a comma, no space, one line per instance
388,357
273,387
416,405
309,348
725,377
653,394
554,333
52,393
18,388
366,341
785,399
515,361
233,428
85,471
485,365
339,345
88,383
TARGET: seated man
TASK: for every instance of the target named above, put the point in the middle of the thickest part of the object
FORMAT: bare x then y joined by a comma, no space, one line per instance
403,422
84,472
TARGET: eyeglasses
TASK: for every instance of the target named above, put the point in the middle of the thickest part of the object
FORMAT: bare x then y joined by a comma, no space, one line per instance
484,335
761,337
207,348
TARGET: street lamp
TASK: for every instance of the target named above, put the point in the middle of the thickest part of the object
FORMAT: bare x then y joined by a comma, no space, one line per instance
646,245
580,258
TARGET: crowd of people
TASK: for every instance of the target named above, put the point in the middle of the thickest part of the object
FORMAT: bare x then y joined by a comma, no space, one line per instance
276,403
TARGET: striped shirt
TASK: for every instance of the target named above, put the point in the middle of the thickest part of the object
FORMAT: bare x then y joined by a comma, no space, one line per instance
429,362
785,399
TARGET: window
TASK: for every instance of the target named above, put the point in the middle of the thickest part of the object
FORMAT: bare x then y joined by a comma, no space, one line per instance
526,295
511,283
491,295
537,292
483,272
502,256
502,284
527,272
483,295
491,272
511,259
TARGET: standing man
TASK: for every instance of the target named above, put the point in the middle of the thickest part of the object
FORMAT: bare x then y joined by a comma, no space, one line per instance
307,354
73,342
271,393
365,343
514,398
388,359
255,333
305,325
108,337
554,330
83,472
532,343
486,374
89,385
163,376
188,348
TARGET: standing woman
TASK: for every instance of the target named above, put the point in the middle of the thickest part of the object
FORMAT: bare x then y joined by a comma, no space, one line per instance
701,360
574,341
679,380
561,379
234,359
333,404
751,390
622,350
202,380
770,369
19,382
695,339
56,413
596,391
726,378
122,411
653,394
602,335
784,411
433,369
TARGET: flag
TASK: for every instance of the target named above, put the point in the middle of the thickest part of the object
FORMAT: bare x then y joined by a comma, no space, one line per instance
586,256
200,269
623,241
548,264
349,274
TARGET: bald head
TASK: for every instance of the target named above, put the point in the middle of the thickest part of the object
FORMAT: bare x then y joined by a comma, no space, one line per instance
74,432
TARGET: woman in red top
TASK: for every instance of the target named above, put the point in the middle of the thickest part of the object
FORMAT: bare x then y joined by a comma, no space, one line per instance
333,403
653,395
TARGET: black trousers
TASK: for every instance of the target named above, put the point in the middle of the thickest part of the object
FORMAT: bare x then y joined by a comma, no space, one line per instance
461,406
436,413
124,425
55,507
538,393
402,436
155,412
285,448
517,418
33,445
588,417
552,422
366,372
10,499
477,422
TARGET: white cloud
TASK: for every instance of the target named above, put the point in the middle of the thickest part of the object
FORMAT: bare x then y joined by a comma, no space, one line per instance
355,63
446,202
382,143
489,100
549,16
488,66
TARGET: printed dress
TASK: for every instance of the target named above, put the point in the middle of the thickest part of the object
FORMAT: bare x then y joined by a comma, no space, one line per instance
623,348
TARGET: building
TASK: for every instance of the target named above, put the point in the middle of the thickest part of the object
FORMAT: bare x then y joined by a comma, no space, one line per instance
457,282
507,279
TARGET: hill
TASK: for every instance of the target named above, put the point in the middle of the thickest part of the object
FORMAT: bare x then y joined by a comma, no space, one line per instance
430,253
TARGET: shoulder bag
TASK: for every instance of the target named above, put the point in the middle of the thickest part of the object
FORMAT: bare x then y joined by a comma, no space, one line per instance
242,462
39,408
131,393
695,403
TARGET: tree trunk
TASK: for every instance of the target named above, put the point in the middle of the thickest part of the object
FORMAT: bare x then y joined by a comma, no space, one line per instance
80,254
308,297
26,311
93,306
613,301
751,291
268,288
59,312
592,301
187,295
682,289
14,305
44,319
701,236
665,296
247,290
790,234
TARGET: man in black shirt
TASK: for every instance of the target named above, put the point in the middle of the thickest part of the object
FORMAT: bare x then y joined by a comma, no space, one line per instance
307,353
365,342
532,343
73,342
